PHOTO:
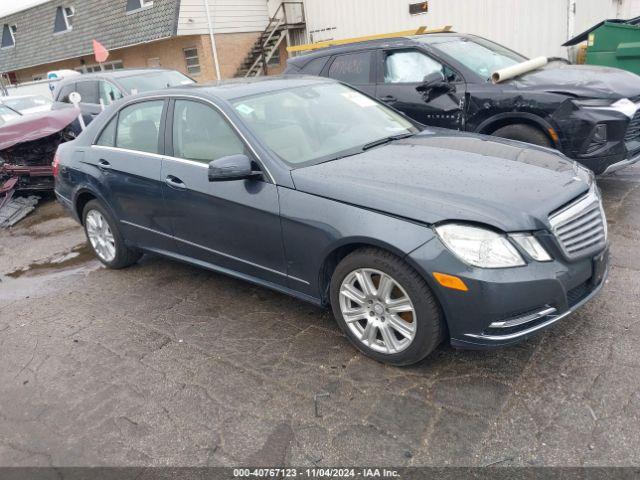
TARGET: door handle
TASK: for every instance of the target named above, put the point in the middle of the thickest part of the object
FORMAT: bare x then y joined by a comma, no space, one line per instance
175,182
103,164
388,98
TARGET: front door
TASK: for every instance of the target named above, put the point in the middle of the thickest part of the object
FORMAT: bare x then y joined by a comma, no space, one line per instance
400,85
127,156
233,224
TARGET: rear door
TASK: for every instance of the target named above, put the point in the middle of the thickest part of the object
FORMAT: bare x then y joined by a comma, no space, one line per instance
356,69
127,157
231,224
399,78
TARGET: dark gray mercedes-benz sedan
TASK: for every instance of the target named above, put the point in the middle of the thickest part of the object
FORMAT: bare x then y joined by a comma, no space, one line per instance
304,185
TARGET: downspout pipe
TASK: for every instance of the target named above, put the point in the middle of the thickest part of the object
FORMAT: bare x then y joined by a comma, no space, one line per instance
213,41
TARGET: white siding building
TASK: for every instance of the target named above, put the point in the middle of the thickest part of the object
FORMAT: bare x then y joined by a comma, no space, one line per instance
532,27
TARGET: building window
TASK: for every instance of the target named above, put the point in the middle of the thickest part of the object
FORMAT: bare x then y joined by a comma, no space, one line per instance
64,19
100,67
418,8
153,62
135,5
193,62
9,36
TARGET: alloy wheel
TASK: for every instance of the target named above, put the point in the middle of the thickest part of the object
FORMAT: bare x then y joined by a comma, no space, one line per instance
377,310
100,236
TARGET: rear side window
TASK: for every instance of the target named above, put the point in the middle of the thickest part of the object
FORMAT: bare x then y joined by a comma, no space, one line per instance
88,90
65,91
139,126
108,136
353,68
200,133
315,66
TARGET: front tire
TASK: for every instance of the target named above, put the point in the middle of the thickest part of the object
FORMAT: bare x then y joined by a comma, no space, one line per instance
385,308
524,133
105,239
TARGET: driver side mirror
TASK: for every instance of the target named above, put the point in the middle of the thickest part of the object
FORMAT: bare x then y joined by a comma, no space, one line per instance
434,85
232,167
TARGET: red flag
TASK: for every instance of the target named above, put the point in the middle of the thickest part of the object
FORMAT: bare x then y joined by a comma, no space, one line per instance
100,52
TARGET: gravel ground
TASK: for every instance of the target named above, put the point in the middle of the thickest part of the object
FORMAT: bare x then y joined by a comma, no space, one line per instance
165,364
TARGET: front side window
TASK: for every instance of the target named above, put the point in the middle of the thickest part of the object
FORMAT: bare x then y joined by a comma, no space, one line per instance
353,68
88,91
65,91
320,122
409,66
139,126
153,81
108,93
201,133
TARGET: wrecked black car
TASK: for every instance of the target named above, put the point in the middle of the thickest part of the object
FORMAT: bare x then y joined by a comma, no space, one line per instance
589,113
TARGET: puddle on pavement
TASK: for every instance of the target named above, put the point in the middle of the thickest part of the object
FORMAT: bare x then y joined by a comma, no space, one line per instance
77,257
41,278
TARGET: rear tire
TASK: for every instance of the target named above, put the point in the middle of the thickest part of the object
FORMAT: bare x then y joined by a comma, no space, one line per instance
105,238
395,317
524,133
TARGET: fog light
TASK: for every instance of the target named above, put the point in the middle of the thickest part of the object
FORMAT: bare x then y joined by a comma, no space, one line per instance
600,133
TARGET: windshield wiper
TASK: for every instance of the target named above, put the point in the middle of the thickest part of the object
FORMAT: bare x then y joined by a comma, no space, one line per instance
382,141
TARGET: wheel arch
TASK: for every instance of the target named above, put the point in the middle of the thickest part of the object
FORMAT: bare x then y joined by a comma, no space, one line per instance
490,125
83,196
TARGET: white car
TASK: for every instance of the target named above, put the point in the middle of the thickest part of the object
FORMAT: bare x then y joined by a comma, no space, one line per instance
26,104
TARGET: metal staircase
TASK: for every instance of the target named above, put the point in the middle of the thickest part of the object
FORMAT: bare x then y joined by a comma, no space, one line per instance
288,17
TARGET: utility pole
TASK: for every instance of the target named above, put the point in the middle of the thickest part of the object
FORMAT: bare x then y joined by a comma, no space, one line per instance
213,40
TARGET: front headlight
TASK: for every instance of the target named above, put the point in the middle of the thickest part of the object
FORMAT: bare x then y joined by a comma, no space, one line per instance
624,105
479,247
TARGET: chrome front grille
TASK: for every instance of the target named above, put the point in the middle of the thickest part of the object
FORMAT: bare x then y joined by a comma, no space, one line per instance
581,227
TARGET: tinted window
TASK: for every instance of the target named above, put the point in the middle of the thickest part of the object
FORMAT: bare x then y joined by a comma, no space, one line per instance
315,66
109,93
352,68
409,66
65,90
139,126
108,136
88,90
201,133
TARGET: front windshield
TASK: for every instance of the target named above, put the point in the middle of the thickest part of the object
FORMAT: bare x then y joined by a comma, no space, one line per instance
7,115
25,103
315,123
477,54
153,81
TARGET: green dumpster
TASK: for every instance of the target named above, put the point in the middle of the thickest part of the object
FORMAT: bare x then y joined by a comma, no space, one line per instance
613,43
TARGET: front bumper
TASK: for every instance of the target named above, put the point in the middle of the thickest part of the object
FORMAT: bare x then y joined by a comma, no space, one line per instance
576,127
506,306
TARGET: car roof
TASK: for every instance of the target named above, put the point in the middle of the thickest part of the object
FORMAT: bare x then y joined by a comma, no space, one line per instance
411,40
120,73
243,87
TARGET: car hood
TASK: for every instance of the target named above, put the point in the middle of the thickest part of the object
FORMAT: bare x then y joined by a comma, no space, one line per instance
585,81
437,176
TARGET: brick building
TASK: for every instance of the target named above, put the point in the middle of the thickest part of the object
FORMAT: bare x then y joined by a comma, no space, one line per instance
176,34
